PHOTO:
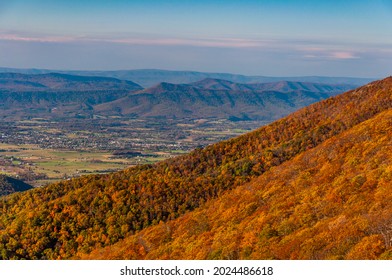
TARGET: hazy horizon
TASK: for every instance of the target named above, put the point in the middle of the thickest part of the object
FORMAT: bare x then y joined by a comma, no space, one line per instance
263,38
66,70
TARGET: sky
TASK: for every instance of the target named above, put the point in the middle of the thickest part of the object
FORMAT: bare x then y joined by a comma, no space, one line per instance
253,37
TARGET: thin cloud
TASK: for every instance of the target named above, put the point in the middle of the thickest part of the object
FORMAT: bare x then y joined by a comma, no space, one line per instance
6,36
198,42
343,55
328,53
311,49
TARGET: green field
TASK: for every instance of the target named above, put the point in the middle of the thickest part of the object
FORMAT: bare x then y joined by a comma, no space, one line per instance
39,152
57,165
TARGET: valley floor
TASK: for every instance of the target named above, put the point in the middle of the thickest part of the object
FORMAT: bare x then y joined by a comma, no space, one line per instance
39,151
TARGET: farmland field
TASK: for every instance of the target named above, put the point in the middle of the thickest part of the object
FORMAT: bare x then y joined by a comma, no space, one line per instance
40,151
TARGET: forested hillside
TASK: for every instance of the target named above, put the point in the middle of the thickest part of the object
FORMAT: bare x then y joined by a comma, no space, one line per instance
61,82
330,202
220,99
54,96
72,218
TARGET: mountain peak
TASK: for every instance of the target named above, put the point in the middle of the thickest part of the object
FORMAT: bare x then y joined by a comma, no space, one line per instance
166,87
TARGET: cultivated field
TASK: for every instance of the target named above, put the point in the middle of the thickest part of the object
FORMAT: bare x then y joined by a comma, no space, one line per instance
40,151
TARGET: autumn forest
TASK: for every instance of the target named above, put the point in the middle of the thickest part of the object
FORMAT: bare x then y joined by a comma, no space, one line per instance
313,185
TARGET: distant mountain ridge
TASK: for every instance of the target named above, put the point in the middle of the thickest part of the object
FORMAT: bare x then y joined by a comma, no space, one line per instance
214,98
151,77
63,95
61,82
281,86
57,95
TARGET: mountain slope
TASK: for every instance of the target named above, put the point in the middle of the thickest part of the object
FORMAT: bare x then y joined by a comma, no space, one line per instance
330,202
280,86
73,217
59,95
218,84
10,185
220,99
54,81
54,95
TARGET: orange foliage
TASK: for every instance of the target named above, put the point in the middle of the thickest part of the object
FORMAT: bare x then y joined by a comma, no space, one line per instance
298,210
315,168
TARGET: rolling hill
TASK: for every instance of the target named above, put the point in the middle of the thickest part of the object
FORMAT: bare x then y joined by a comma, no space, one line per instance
57,95
151,77
283,86
212,98
10,185
313,185
61,82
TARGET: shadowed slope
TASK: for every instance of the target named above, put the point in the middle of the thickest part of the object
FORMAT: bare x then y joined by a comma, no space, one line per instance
10,185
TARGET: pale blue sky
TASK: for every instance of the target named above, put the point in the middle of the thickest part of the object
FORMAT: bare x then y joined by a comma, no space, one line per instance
265,37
